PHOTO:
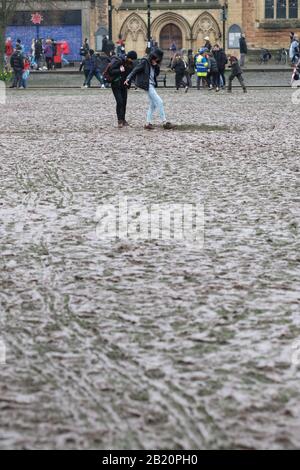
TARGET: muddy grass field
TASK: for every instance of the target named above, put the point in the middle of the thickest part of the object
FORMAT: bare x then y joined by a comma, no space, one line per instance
149,344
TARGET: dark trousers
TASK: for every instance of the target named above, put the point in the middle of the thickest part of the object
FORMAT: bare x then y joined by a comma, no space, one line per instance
49,62
120,94
222,75
188,77
179,81
203,80
18,74
86,74
215,78
209,79
240,79
38,59
94,73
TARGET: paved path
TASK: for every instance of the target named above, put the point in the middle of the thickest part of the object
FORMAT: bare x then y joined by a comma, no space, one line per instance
75,79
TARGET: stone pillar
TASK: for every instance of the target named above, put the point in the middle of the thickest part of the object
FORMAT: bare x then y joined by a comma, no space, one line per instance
101,13
86,20
249,25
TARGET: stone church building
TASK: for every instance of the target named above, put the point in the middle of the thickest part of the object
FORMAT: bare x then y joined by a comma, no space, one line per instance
267,23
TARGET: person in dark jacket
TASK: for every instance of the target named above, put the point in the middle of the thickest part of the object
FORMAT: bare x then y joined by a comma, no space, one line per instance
86,65
104,60
179,67
20,46
108,46
190,70
85,48
17,64
221,59
243,49
54,45
105,48
213,78
173,49
118,71
207,44
49,54
145,74
236,72
38,53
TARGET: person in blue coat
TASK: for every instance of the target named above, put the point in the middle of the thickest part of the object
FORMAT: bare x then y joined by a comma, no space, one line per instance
95,70
201,67
87,66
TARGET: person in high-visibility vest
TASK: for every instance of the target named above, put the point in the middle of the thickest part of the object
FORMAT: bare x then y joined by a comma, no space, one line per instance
201,66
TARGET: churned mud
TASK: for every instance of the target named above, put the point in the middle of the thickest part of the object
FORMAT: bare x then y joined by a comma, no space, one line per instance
115,344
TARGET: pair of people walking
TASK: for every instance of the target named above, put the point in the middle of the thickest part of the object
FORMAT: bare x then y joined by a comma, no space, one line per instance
184,68
123,71
93,65
21,68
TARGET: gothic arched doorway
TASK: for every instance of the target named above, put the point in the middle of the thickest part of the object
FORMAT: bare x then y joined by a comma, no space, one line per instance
170,33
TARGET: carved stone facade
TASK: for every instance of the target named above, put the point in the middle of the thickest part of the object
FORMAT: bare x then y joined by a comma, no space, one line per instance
134,31
191,25
196,19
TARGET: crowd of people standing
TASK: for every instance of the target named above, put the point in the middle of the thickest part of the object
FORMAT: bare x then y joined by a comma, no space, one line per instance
21,63
208,65
41,51
115,68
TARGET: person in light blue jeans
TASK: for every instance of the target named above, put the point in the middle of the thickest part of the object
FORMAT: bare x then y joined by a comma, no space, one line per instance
144,74
155,103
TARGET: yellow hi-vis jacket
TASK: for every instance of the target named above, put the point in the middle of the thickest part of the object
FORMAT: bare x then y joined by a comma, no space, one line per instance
201,66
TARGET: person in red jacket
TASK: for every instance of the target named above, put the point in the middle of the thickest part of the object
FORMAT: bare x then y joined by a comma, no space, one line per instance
65,50
8,51
26,73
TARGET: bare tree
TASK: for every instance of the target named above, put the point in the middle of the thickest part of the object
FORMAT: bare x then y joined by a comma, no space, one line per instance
7,10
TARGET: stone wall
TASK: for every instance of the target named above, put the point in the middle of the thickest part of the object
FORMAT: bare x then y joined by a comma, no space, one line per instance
102,12
271,34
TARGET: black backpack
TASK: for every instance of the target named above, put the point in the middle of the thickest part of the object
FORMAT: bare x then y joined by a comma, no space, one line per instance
106,73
